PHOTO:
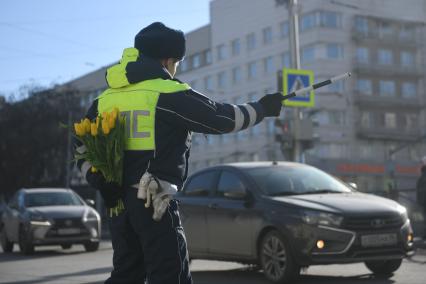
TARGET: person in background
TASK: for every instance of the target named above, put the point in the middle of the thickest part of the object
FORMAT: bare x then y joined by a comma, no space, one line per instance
421,193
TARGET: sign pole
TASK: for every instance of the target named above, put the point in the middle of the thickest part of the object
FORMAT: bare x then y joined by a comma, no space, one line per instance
295,62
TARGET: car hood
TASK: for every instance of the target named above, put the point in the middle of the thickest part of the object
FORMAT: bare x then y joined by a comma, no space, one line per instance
58,212
343,203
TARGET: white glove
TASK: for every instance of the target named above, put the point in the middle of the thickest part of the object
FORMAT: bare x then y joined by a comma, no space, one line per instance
158,191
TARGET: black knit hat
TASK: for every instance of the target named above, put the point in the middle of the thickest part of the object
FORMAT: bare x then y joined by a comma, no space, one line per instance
159,41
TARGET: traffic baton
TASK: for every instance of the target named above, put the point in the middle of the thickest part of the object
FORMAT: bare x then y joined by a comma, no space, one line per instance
317,85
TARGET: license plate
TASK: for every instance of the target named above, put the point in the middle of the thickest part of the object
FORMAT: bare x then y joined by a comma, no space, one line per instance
69,231
378,240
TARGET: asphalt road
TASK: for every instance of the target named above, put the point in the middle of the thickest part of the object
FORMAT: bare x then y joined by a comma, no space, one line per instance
54,265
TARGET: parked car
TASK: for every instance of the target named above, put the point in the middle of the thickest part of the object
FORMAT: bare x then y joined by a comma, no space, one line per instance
49,216
285,216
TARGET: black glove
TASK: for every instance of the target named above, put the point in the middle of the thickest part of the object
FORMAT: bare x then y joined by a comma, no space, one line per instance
111,192
271,104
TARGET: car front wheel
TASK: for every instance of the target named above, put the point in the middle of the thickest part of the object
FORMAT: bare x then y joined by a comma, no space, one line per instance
276,259
384,267
6,245
25,245
91,246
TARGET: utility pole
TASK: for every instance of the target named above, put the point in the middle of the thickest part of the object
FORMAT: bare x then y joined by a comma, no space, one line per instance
293,10
68,160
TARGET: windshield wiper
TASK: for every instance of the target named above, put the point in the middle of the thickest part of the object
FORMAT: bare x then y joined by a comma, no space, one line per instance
321,191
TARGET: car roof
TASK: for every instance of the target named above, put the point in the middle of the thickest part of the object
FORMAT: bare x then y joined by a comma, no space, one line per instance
252,165
45,189
263,164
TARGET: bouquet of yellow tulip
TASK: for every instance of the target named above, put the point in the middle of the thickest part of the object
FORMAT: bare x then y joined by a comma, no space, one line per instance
104,139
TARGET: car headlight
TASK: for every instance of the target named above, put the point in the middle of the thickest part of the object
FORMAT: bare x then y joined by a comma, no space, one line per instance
322,218
38,220
403,213
90,215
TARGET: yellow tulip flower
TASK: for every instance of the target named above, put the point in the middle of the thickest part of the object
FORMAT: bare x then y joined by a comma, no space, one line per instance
93,169
111,121
78,129
115,112
105,126
86,124
93,129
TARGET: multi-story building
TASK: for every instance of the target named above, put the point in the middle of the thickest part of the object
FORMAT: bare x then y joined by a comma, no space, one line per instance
359,122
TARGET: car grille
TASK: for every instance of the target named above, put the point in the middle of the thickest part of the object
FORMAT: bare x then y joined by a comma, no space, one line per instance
373,222
68,223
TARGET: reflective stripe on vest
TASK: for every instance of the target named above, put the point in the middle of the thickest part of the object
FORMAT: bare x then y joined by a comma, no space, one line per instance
137,102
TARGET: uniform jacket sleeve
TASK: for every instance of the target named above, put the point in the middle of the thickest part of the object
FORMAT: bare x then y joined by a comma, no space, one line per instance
197,113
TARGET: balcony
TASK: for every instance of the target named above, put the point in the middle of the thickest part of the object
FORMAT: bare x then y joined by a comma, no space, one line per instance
374,69
386,133
375,101
374,37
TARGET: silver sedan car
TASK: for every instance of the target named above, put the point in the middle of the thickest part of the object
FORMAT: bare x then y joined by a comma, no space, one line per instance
49,216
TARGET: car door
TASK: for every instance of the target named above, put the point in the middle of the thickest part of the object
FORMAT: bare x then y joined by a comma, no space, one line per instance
193,203
230,218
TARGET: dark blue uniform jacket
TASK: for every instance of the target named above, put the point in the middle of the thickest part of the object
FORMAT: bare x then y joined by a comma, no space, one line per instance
177,116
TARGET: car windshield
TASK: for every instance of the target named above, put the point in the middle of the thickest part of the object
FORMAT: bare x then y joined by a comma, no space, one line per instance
35,199
282,180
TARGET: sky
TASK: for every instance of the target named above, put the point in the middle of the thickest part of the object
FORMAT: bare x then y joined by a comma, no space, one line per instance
48,42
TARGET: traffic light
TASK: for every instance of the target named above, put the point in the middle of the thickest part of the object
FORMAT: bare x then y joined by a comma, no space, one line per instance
283,133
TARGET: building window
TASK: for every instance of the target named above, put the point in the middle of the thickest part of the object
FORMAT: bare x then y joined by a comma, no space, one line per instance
251,41
208,83
337,87
208,54
390,120
385,56
385,30
334,50
409,90
308,54
236,75
411,121
267,35
330,19
184,65
361,25
221,52
366,119
285,59
386,88
268,64
333,117
196,61
236,47
362,55
308,21
407,32
252,70
364,86
407,58
284,29
221,79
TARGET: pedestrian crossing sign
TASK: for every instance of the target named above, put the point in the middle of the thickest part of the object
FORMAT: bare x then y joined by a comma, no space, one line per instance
295,79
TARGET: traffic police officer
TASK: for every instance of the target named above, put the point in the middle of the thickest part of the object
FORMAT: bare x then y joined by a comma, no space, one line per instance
161,114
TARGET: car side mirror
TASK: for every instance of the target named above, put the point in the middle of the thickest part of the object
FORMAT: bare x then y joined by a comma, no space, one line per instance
90,202
353,185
